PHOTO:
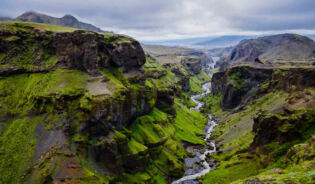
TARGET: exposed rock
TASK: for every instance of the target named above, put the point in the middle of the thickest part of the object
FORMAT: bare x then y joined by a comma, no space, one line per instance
165,99
237,84
271,49
82,50
281,128
193,63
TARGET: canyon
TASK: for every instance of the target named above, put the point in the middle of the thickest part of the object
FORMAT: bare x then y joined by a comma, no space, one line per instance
79,106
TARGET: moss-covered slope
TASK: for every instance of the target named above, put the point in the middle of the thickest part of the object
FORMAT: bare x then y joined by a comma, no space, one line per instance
82,107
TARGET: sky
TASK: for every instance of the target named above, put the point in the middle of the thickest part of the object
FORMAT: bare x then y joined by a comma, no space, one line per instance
177,19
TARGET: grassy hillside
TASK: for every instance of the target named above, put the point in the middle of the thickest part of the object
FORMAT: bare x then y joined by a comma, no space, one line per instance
268,138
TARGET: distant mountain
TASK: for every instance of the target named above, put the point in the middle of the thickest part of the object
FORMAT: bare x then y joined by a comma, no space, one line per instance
67,20
177,42
272,50
222,41
202,42
2,19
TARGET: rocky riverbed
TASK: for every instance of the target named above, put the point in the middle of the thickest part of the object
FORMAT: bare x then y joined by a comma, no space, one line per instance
199,165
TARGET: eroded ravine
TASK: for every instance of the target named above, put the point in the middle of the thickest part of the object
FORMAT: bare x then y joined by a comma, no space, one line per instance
198,166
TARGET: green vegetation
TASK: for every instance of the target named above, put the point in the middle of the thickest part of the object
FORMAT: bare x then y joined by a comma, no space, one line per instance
17,144
235,133
16,26
189,124
124,124
235,77
212,104
196,82
229,171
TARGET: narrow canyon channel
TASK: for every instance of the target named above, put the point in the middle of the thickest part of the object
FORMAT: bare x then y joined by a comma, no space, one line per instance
198,165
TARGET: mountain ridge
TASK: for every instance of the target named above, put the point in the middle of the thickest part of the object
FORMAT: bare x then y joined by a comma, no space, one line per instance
270,50
67,21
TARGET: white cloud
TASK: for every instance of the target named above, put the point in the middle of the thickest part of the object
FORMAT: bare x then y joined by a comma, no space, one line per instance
169,19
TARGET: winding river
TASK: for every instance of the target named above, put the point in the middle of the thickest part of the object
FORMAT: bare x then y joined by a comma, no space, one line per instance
198,166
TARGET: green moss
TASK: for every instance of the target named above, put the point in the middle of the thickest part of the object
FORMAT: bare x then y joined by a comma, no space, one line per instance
235,77
212,104
117,80
196,82
148,129
281,72
50,62
189,124
187,100
11,38
15,25
195,85
17,144
136,147
232,170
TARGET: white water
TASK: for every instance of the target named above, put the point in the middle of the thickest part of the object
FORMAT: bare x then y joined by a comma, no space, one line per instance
209,129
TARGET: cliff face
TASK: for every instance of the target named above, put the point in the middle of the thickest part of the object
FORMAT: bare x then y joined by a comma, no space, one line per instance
85,51
83,107
284,127
239,85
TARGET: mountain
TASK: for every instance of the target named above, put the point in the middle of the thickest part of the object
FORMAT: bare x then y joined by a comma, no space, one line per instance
67,21
272,50
222,41
2,19
188,42
202,42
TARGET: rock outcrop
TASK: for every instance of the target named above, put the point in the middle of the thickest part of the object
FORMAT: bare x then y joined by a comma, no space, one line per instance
281,128
192,63
239,85
82,50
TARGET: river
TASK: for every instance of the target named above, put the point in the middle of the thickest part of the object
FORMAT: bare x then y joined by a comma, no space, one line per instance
198,166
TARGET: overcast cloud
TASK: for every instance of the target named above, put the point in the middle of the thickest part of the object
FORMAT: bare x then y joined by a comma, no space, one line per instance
171,19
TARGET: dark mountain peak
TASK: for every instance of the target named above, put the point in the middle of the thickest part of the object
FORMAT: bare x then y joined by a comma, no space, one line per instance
67,20
69,17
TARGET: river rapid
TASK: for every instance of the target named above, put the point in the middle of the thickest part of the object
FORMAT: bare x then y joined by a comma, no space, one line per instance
198,165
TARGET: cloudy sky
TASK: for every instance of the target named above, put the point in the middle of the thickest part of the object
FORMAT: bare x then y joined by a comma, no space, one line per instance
172,19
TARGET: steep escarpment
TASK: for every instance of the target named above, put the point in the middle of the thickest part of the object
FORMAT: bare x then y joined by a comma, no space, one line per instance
82,107
265,125
238,85
85,51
